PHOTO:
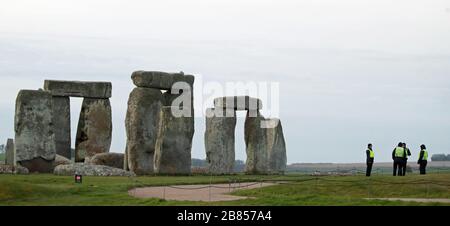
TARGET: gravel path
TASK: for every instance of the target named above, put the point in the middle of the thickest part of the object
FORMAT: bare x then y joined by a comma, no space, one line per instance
217,192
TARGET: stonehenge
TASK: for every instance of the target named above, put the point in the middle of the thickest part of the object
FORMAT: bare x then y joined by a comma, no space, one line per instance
95,122
264,139
159,130
150,115
42,124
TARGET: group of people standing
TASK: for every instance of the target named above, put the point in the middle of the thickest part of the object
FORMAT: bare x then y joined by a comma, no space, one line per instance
400,156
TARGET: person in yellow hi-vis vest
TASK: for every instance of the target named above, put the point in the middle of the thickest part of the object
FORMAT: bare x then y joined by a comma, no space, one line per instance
369,160
423,159
398,155
405,159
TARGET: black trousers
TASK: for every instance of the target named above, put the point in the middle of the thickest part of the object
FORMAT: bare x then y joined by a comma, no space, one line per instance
398,165
405,162
369,168
423,166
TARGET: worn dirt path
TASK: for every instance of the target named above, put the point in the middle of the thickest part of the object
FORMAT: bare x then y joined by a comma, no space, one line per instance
205,193
413,200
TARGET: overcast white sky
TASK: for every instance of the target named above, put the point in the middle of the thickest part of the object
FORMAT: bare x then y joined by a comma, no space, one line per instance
350,71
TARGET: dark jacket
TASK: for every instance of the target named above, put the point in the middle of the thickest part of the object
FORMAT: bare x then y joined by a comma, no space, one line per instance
407,153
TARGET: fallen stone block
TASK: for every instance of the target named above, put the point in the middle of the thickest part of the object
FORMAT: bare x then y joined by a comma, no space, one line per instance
61,160
38,165
108,159
10,169
90,170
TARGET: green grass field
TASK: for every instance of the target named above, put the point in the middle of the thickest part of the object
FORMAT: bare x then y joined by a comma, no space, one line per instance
299,190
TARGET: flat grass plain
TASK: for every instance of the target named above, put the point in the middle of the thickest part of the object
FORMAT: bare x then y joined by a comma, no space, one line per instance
294,190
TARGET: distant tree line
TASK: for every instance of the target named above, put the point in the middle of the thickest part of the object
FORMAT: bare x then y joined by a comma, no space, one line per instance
2,148
440,157
239,165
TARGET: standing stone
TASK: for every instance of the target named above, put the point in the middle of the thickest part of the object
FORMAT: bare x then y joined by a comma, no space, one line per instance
256,144
34,135
9,154
220,141
125,159
174,144
142,121
276,153
94,129
61,121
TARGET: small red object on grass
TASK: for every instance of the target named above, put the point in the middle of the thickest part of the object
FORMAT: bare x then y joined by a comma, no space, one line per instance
78,179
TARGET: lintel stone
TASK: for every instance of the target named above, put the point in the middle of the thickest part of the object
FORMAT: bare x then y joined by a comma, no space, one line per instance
160,80
240,103
79,88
